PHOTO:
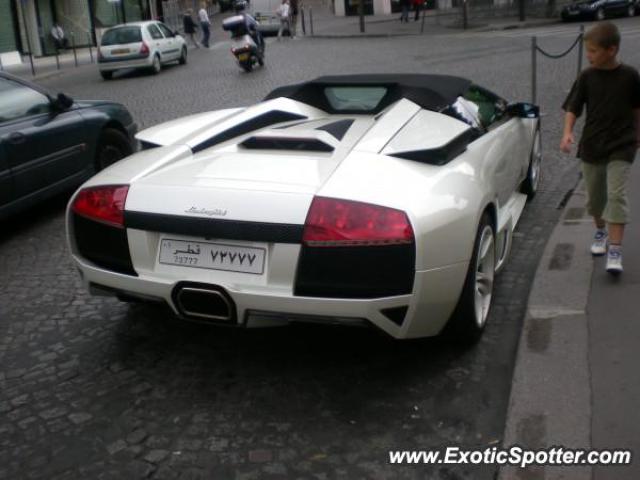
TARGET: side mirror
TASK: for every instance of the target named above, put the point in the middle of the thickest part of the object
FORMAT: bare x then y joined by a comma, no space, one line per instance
62,102
523,110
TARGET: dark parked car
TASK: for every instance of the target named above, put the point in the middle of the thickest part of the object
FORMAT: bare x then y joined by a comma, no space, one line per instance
49,143
600,9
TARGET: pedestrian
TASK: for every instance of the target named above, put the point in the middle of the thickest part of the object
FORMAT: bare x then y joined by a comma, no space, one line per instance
283,14
294,4
190,27
205,24
405,5
610,137
59,39
417,5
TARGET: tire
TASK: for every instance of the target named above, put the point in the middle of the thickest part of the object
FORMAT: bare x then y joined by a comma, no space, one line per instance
261,60
183,56
532,181
600,15
470,315
156,66
113,145
247,66
106,75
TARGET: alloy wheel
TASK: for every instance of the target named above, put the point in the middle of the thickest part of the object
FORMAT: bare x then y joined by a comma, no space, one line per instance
485,271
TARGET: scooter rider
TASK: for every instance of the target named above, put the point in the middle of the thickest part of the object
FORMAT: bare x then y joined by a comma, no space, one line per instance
250,23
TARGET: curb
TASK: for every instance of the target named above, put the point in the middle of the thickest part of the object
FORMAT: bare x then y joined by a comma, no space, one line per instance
550,400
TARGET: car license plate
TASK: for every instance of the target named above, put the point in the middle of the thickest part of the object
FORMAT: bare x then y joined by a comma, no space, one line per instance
243,57
213,256
120,51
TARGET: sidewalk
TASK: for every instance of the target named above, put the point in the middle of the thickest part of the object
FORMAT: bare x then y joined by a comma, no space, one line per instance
47,66
576,377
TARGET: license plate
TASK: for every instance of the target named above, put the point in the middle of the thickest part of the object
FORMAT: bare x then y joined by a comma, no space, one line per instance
243,56
120,51
213,256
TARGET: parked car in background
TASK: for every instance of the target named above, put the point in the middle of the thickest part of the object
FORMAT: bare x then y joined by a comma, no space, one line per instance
146,45
49,143
600,9
269,24
380,200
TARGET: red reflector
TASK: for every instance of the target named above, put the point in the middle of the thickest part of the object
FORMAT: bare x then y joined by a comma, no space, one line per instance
332,222
103,204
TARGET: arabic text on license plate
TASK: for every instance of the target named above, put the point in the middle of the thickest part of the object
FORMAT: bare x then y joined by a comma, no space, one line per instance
214,256
120,51
243,56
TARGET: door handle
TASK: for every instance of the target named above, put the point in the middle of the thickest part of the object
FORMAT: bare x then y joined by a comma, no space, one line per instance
16,138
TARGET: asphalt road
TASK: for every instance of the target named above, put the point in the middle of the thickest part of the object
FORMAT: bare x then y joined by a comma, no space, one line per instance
92,388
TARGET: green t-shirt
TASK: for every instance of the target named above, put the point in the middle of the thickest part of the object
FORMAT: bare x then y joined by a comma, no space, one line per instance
611,96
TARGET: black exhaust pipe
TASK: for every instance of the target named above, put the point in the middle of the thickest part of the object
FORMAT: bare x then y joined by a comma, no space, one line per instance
204,303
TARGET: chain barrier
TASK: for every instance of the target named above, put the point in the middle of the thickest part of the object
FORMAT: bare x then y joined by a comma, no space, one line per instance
535,49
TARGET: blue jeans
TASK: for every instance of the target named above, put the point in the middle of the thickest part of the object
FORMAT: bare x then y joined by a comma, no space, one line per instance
205,34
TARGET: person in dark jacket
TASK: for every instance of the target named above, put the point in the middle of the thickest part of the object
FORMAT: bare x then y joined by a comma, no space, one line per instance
404,16
190,27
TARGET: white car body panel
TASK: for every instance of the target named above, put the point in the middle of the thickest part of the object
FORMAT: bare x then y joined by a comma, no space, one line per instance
227,181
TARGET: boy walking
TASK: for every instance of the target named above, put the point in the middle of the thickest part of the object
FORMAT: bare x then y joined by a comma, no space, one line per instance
610,138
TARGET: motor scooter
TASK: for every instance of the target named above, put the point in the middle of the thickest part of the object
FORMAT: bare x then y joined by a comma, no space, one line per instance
243,46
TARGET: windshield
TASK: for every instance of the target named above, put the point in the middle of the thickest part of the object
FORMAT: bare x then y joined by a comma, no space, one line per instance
120,35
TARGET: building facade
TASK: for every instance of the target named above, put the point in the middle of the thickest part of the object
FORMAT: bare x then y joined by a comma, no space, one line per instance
25,25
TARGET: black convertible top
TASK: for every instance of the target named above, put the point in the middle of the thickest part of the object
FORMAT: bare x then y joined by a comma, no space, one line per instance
431,92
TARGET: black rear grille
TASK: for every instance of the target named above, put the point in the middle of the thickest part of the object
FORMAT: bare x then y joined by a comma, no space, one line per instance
102,244
355,272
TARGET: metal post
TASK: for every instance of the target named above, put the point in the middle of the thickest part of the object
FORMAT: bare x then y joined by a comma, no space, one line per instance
1,67
534,68
302,21
521,13
90,47
33,70
361,14
424,14
57,59
311,20
464,14
580,46
73,45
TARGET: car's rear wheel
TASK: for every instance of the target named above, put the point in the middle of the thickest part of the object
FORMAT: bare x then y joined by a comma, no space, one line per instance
470,316
113,145
156,66
183,56
531,182
106,75
600,15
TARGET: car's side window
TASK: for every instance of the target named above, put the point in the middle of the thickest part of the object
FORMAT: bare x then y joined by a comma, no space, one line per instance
17,101
167,33
154,31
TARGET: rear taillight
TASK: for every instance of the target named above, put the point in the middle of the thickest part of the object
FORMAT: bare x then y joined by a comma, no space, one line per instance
103,204
144,49
332,223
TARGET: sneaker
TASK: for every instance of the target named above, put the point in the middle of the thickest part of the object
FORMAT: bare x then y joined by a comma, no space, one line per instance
614,261
599,245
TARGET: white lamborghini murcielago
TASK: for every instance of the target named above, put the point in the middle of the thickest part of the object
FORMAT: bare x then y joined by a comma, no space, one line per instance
383,200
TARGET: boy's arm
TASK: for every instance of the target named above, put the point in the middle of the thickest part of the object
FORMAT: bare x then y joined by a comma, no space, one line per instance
567,135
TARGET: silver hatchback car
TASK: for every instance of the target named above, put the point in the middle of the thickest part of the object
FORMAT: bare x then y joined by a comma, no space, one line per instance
139,45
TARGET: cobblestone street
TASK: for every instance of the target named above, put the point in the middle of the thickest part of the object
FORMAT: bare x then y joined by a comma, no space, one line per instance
94,388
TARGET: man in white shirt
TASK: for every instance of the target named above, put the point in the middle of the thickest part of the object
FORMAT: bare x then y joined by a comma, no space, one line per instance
284,15
203,17
59,39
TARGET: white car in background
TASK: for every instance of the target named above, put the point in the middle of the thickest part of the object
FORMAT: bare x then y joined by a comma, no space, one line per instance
139,45
383,200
